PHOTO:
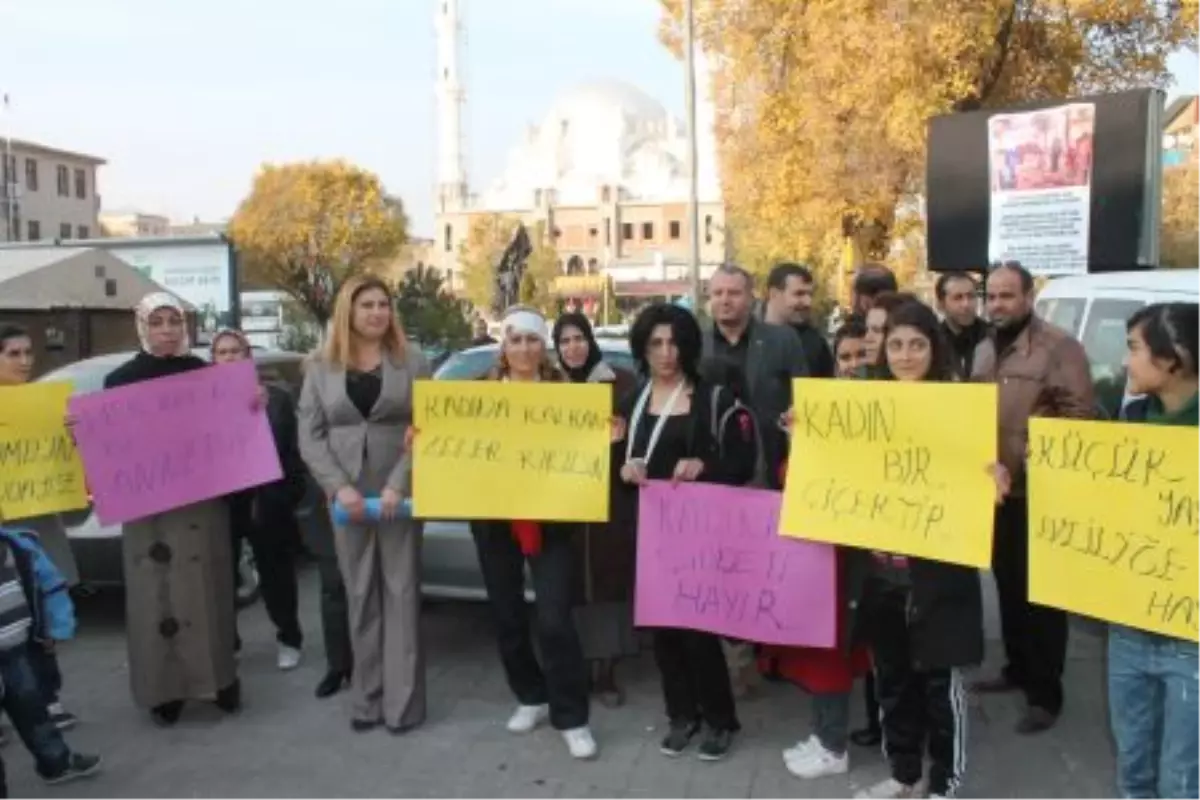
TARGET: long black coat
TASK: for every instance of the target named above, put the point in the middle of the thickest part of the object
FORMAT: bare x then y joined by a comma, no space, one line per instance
945,614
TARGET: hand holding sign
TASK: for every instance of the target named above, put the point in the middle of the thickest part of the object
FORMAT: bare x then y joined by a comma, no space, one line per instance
163,444
710,558
874,465
40,471
1113,518
494,450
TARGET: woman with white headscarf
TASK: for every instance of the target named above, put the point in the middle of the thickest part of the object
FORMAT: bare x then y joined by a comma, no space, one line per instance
557,686
179,595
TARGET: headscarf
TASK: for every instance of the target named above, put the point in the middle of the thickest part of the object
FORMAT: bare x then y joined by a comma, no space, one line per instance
156,301
574,319
235,333
524,319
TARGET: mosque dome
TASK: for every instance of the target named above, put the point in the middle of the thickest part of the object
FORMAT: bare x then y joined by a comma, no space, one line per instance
600,133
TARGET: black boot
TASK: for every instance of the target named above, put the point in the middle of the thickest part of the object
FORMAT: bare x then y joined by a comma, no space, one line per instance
332,683
167,714
229,699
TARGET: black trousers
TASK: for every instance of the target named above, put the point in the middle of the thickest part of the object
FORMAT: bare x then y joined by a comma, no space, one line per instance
335,614
273,541
871,701
922,710
695,678
562,678
1035,636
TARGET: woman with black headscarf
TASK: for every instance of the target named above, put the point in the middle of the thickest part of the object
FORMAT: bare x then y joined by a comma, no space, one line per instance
607,553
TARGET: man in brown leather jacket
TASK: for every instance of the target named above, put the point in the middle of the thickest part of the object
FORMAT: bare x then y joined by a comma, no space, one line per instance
1041,372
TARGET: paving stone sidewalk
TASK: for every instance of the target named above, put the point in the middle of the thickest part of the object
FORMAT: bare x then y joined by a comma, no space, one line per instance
285,743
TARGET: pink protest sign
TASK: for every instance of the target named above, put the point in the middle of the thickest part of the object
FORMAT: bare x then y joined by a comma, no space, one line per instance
166,443
711,558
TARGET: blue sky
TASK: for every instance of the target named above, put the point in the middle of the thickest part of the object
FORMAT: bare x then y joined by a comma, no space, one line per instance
186,99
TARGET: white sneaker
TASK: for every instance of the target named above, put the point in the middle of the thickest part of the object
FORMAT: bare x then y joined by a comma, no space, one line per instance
526,718
818,762
800,749
891,788
289,657
580,742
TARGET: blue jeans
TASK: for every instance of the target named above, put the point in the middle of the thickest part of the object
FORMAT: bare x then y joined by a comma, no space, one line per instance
25,705
1152,683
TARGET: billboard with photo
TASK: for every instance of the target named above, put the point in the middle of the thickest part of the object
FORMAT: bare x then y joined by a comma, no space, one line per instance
1066,187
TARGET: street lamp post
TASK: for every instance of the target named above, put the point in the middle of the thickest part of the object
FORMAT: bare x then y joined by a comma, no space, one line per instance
689,45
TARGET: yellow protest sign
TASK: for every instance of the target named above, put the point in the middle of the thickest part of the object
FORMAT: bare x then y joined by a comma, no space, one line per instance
1113,516
896,466
526,451
40,472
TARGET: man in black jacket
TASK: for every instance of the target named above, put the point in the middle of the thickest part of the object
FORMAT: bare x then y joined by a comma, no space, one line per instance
957,301
768,355
789,302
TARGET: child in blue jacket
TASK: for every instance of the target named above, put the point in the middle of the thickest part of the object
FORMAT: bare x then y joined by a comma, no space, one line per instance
35,611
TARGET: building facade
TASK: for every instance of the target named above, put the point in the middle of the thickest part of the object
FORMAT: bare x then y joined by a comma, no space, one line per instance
604,175
1179,131
133,223
47,193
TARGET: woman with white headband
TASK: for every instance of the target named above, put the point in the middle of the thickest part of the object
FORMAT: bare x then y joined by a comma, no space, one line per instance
557,688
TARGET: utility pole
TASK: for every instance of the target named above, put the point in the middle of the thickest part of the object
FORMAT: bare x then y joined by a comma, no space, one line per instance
689,45
9,174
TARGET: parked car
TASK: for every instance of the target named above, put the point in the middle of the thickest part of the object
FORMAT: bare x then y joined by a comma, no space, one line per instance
450,566
1094,309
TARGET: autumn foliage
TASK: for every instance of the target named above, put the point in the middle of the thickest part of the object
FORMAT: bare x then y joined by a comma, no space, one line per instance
307,227
479,254
1179,242
822,105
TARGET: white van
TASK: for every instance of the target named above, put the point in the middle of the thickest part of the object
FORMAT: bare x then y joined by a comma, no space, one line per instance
1094,309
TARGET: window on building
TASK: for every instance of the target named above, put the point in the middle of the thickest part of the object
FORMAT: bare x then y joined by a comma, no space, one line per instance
574,265
64,230
627,231
82,232
593,266
607,230
592,233
34,230
708,228
648,231
674,229
80,184
62,179
448,235
10,170
31,174
605,195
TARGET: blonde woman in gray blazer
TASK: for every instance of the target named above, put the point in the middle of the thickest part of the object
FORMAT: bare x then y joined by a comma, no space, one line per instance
354,410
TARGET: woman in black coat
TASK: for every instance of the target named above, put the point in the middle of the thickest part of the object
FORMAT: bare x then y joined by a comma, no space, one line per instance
265,516
669,436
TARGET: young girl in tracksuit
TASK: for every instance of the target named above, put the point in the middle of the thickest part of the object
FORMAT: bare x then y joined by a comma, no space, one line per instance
923,619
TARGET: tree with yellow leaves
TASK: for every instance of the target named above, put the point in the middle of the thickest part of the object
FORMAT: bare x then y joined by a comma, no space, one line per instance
1179,240
478,256
822,105
307,227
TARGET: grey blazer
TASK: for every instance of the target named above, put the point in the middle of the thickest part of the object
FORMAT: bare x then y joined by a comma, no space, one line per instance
343,449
